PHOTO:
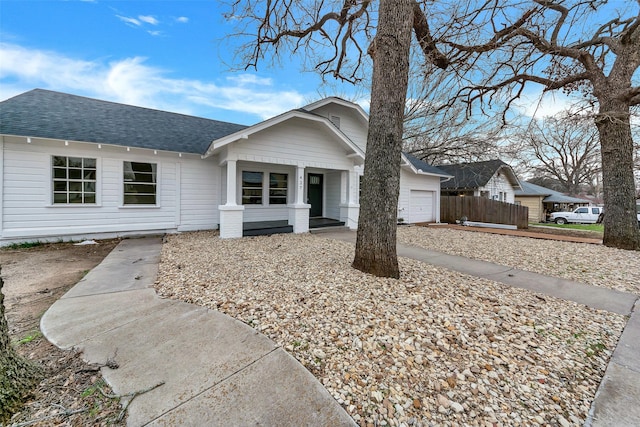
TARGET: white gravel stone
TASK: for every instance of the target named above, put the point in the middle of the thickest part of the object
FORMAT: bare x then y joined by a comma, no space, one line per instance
586,263
563,422
457,407
392,347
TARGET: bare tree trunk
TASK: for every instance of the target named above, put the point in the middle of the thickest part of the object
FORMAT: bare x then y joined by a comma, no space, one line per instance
17,375
376,242
620,222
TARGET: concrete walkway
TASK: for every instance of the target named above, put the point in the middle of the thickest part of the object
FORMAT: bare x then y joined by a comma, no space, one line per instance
214,370
218,371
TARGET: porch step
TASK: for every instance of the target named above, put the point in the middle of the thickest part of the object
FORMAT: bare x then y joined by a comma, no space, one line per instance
269,230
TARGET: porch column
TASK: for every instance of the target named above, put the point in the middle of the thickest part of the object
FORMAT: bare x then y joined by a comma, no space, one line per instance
231,214
299,210
349,206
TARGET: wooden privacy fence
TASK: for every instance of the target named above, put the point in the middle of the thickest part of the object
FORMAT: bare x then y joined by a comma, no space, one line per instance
481,209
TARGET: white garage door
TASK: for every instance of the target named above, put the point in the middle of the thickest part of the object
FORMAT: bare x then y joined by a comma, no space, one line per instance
421,206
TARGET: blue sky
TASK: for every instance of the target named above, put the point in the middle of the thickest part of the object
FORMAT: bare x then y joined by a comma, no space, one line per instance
168,55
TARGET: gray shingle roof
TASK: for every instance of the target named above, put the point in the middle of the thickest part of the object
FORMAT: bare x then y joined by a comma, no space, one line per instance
424,166
48,114
529,189
471,175
551,196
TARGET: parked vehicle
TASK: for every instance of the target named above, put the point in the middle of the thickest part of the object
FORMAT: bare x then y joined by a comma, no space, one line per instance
601,217
584,215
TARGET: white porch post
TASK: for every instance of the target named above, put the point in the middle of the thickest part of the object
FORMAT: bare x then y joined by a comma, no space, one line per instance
231,183
231,214
299,210
349,206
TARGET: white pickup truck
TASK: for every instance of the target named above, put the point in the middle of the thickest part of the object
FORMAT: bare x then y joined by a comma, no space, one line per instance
586,215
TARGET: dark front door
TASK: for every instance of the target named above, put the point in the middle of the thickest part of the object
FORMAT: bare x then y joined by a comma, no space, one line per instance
314,194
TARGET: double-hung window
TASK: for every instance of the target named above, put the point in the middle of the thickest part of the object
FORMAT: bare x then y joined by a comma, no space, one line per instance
251,188
74,180
277,188
140,183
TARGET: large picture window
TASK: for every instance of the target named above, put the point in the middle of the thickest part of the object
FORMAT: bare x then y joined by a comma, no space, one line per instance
277,188
251,188
74,180
140,186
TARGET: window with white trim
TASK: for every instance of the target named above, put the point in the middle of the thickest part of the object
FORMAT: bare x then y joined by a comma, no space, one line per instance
278,188
265,188
251,188
74,180
140,183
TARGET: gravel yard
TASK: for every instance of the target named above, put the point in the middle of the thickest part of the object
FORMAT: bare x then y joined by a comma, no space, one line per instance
433,348
586,263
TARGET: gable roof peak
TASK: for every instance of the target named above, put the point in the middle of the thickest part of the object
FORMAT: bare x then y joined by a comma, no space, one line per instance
337,100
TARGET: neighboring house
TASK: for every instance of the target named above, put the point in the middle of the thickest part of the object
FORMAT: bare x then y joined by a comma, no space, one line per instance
493,179
75,167
542,201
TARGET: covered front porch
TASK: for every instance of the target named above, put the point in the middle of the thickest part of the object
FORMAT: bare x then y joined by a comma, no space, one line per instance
266,198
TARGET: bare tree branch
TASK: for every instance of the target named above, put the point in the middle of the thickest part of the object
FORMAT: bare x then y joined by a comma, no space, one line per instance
423,34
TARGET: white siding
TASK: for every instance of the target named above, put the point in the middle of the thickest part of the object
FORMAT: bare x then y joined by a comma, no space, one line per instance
199,194
294,142
410,181
28,212
332,184
351,122
496,185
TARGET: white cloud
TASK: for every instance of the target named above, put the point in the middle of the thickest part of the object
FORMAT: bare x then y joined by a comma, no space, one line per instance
132,81
250,79
538,104
129,21
148,19
182,19
155,33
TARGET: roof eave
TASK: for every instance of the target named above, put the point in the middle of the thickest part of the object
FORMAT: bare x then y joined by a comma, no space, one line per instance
218,144
417,171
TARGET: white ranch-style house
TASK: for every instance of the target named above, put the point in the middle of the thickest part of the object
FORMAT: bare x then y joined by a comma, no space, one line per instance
75,168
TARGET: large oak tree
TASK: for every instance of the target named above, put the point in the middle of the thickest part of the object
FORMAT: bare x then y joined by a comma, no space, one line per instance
562,148
583,47
337,36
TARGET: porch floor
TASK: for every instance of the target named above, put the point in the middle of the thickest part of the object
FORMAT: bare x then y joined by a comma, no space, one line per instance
260,228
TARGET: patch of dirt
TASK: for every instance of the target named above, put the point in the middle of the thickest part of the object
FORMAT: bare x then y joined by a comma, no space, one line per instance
590,234
73,393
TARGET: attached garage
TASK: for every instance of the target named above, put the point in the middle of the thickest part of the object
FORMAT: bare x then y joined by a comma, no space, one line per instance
421,205
419,197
